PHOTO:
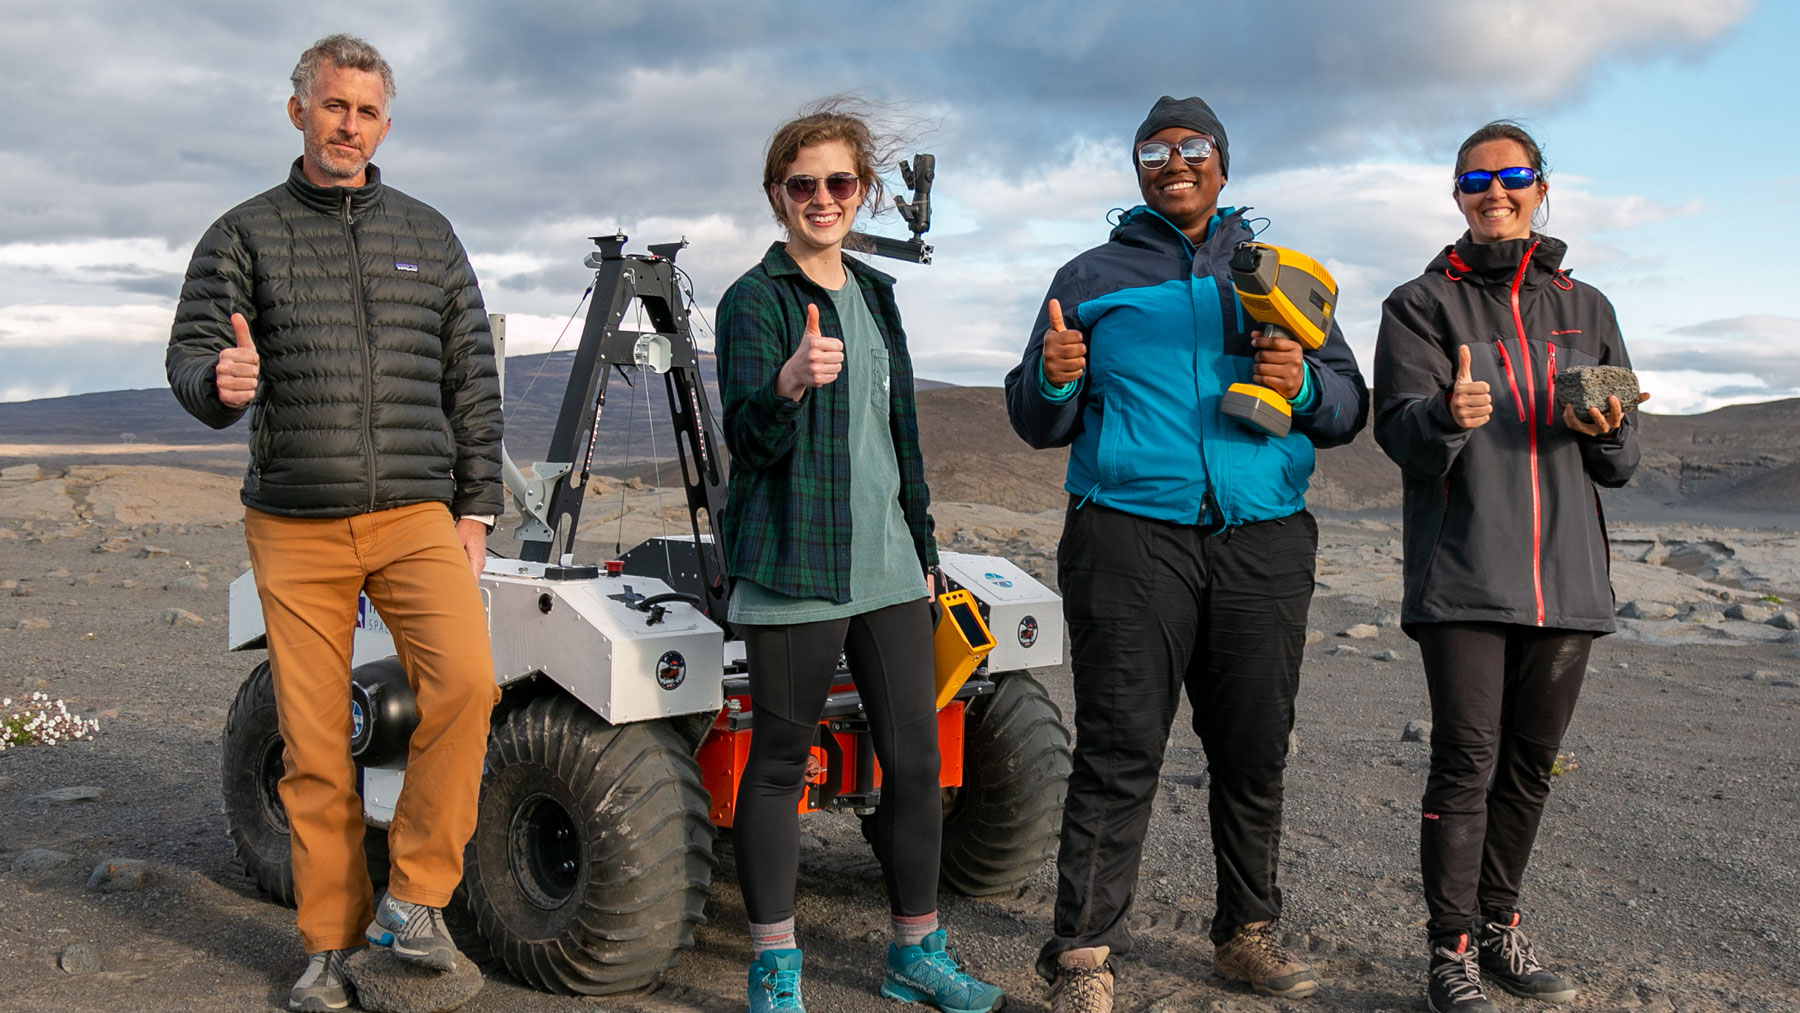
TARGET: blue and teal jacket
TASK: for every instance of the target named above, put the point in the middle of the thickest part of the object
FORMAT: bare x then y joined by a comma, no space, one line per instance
1166,337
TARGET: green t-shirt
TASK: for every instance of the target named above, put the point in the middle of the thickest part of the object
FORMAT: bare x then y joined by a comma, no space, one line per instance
884,568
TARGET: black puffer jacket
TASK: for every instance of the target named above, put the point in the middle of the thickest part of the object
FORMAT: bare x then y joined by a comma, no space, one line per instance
377,385
1503,523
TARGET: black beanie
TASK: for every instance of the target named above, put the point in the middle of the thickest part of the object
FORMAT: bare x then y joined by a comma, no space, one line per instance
1192,113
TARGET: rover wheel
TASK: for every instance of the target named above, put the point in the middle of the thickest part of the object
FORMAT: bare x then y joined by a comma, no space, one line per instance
592,853
252,768
1003,823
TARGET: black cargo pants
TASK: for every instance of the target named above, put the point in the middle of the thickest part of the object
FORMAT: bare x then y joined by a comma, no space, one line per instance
1155,608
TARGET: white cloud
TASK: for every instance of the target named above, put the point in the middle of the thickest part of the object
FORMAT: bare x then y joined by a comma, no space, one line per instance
1684,391
535,127
1760,327
74,329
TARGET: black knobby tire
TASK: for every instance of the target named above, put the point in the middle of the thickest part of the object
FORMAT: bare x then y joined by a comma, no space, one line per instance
593,850
1003,823
251,768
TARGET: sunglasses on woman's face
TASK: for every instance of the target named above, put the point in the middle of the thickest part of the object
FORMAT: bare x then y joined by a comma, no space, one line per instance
840,185
1154,155
1478,180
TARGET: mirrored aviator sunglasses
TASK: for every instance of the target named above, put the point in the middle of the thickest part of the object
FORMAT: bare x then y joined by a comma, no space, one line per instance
1156,154
840,185
1517,177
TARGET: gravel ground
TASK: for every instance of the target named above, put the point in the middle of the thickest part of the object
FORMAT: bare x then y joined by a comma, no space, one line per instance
1664,878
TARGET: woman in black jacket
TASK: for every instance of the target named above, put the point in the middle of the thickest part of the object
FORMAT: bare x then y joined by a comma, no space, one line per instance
1506,557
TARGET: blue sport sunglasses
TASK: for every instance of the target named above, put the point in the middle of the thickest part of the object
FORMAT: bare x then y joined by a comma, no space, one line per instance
1517,177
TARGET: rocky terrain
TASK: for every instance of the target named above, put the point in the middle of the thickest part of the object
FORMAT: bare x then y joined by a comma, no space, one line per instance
1662,881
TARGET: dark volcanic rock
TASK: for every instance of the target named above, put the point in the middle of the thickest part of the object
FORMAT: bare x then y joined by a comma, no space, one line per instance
120,875
386,984
1585,387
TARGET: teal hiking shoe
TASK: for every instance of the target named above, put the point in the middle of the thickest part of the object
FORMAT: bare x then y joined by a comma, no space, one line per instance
412,932
775,982
928,973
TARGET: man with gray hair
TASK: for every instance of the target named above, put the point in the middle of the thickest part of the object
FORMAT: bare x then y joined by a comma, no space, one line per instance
342,316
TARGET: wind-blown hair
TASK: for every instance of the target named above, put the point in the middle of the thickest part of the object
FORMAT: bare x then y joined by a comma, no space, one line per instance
841,118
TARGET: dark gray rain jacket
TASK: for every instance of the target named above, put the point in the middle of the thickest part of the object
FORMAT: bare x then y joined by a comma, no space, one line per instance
1503,522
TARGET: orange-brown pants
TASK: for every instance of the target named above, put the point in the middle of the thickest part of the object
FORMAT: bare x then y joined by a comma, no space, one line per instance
308,574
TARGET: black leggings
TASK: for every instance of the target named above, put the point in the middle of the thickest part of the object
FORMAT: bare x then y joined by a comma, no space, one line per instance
791,671
1501,698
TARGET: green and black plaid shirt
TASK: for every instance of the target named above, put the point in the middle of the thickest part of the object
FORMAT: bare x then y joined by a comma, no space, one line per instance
786,522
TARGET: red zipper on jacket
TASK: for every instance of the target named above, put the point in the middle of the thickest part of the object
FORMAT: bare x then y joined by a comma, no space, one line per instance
1511,381
1537,526
1550,389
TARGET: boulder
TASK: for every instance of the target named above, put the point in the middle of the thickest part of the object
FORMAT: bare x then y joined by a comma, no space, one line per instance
386,984
1416,731
1750,612
120,875
64,796
30,863
81,958
1645,609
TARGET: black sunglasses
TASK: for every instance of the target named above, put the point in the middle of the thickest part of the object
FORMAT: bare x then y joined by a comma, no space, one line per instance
1156,154
840,185
1517,177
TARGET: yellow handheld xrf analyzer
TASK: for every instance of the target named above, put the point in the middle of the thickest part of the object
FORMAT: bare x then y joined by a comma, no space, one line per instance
960,643
1288,294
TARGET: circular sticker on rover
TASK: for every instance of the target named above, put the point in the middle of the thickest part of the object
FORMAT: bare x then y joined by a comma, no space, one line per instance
1028,631
356,720
671,670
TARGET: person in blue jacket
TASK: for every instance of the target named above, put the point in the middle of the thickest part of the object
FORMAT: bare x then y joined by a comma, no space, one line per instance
1187,553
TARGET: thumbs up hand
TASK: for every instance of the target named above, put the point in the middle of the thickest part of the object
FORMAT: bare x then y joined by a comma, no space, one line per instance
1065,351
238,367
1468,399
817,361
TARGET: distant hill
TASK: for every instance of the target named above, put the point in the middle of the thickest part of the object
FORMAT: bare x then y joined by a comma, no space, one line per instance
1733,464
534,389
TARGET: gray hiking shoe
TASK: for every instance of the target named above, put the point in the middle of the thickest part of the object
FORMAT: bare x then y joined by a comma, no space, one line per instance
323,985
412,932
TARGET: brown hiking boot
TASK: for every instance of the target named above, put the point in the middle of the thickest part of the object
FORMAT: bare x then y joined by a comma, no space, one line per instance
1253,956
1084,982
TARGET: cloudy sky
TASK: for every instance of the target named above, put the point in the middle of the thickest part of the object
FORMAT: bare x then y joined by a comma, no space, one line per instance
126,128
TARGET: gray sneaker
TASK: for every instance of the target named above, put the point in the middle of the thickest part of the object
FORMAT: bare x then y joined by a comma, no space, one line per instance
323,985
412,932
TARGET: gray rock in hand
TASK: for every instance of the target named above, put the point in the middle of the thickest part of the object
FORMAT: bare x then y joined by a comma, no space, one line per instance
1585,387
